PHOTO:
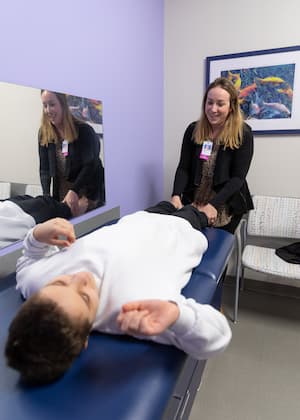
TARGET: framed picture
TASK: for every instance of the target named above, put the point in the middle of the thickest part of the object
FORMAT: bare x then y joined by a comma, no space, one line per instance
268,83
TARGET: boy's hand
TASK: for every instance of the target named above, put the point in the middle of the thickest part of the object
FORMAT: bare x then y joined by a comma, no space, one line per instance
147,317
56,231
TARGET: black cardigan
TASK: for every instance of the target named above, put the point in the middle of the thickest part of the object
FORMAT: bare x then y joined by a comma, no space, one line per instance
229,181
83,165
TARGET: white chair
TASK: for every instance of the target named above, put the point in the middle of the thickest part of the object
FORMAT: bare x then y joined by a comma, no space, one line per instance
272,217
4,190
33,190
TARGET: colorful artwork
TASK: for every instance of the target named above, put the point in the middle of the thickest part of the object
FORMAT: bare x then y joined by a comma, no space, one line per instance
264,92
268,82
89,110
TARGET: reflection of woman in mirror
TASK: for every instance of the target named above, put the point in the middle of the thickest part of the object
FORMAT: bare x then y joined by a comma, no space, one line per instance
69,154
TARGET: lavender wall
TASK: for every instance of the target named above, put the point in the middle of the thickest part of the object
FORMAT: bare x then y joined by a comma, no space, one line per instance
106,49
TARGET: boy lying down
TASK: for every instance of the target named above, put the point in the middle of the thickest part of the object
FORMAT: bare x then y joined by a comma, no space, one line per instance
124,278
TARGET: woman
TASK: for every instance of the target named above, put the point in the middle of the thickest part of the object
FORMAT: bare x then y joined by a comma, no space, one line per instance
215,158
69,155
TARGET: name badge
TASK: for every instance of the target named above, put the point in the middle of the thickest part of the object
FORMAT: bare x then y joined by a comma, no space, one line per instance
206,149
65,148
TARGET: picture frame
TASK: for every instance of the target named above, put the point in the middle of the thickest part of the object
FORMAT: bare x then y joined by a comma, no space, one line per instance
268,82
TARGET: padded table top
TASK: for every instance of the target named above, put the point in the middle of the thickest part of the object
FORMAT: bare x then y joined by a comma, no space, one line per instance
117,377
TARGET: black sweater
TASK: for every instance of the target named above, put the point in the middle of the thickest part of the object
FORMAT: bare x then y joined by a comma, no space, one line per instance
229,181
83,165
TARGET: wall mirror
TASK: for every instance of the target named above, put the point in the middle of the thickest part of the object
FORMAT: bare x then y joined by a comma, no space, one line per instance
21,111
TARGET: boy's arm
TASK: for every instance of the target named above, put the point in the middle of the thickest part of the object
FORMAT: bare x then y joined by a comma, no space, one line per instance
147,317
199,330
43,240
56,231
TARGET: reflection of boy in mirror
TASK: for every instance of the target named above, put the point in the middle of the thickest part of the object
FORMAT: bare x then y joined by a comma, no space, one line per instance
69,154
21,213
125,278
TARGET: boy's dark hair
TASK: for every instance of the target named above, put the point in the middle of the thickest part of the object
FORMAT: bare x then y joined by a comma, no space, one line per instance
43,341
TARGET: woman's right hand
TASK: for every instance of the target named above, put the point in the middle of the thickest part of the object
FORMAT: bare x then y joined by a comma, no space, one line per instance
72,200
176,201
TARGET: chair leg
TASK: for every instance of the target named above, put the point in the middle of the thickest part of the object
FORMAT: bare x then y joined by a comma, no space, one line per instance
237,292
241,233
243,241
242,279
237,276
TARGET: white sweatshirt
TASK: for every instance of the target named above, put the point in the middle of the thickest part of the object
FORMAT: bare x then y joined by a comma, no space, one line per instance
14,223
143,256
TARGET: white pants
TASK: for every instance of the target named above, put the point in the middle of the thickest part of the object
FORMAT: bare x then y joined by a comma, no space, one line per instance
14,223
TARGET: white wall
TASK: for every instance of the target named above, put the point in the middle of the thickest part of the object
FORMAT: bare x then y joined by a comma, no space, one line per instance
196,29
20,116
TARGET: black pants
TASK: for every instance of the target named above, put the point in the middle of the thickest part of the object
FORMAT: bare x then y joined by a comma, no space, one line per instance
196,218
42,207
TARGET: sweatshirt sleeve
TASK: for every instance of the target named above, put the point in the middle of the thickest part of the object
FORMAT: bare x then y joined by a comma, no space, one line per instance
200,331
33,251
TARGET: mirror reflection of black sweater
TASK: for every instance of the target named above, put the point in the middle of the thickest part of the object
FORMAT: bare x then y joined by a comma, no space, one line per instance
83,167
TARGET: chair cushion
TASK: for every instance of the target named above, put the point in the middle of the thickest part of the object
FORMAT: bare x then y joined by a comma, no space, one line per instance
275,217
265,260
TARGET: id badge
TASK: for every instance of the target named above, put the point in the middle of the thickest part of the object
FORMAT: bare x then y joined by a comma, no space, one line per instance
65,148
206,150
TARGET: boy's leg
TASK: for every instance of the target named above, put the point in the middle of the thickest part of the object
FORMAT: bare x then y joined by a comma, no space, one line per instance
163,207
43,208
197,218
190,213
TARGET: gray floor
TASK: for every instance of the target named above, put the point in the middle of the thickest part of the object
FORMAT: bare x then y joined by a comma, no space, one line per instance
258,376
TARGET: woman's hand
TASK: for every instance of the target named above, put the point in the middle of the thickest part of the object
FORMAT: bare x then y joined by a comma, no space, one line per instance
72,200
83,204
176,201
210,211
56,231
147,317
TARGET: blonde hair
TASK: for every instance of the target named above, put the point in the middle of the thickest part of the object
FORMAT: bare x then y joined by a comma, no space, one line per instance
232,133
48,133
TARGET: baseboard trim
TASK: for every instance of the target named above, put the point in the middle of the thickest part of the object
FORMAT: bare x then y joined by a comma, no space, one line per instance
266,287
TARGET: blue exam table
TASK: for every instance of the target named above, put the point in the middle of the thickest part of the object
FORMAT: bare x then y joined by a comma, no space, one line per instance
118,377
